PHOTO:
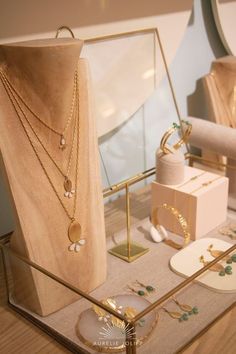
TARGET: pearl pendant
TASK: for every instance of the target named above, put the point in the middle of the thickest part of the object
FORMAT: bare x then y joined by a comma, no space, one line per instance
68,188
158,233
74,235
62,145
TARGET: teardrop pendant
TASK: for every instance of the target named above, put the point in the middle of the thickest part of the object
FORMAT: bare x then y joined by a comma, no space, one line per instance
62,145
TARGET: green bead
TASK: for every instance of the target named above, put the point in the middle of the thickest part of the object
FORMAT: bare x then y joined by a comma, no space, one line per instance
195,310
141,293
185,316
228,271
228,268
222,273
233,257
229,261
149,288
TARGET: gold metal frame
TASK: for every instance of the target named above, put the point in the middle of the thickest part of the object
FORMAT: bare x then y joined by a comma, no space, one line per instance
128,250
131,342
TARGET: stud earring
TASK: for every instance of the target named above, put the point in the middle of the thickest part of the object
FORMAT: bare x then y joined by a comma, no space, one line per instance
149,288
217,267
176,315
216,253
186,308
138,292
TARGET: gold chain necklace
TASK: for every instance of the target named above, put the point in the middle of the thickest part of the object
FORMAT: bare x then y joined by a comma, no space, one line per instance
61,134
69,191
74,228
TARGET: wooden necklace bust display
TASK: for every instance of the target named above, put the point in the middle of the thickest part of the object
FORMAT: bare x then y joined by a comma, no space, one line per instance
43,73
220,93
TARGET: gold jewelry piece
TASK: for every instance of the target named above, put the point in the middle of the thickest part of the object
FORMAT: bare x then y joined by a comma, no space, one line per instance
182,221
192,179
62,133
67,184
171,131
129,313
185,135
217,253
205,184
74,228
229,230
217,267
176,315
229,258
186,308
105,316
149,288
138,292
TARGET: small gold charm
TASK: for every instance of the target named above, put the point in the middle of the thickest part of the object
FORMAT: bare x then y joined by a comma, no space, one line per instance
217,253
62,145
74,235
68,188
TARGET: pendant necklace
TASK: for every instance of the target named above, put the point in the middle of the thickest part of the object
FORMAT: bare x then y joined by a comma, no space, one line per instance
74,232
61,134
69,191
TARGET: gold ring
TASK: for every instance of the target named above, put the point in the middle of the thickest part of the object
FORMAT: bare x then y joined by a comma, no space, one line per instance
182,221
182,140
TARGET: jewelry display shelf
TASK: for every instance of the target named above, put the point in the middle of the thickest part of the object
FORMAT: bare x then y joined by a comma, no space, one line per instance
152,268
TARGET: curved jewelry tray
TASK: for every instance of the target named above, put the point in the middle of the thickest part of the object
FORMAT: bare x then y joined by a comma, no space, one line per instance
105,337
186,262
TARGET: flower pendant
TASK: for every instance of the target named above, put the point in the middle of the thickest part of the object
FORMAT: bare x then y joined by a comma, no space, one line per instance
68,188
62,145
74,235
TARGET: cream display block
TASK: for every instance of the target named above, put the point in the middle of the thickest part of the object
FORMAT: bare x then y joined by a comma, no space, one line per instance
201,199
186,262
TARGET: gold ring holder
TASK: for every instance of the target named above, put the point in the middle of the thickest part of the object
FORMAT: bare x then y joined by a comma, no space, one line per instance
182,221
183,140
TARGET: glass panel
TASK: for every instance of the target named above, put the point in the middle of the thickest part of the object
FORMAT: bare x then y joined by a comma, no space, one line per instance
134,104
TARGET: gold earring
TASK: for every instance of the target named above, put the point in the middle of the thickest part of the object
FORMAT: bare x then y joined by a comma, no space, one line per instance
217,253
138,292
186,308
176,315
149,288
217,267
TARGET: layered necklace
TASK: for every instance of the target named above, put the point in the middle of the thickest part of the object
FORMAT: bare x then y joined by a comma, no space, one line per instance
69,190
74,228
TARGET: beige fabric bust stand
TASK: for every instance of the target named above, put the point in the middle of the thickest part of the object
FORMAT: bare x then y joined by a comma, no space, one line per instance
43,72
219,139
220,96
169,167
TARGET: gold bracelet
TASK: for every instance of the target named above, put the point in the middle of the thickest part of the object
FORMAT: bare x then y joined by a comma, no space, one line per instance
182,221
205,184
192,179
183,139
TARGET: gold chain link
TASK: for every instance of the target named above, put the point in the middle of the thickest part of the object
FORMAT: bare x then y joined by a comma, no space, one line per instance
14,103
44,123
14,94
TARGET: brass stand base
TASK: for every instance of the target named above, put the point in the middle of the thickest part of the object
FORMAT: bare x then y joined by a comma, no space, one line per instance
121,251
